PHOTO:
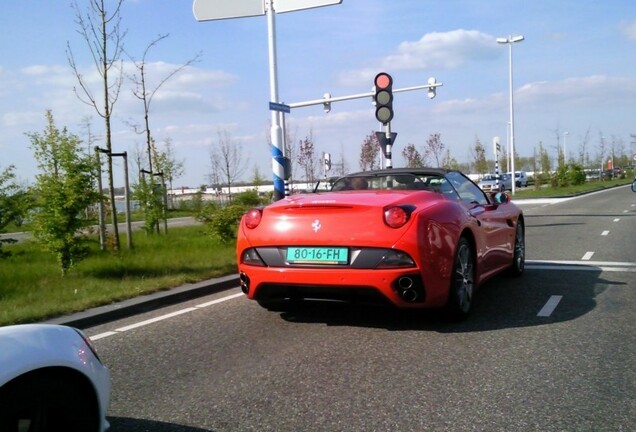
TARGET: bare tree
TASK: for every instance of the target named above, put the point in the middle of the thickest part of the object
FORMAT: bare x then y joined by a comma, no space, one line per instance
146,95
227,159
307,158
412,156
435,147
584,157
104,38
369,151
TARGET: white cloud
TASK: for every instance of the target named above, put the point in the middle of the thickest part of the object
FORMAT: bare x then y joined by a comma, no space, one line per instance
628,29
448,50
434,51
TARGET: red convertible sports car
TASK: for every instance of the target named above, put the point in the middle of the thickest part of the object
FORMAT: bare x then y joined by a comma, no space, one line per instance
419,238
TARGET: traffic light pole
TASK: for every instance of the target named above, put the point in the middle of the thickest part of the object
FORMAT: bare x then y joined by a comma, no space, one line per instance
389,145
328,100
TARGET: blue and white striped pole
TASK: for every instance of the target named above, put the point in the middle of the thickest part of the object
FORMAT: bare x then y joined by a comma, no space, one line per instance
278,149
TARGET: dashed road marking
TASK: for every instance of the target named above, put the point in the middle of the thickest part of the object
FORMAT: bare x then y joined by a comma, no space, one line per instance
549,307
588,256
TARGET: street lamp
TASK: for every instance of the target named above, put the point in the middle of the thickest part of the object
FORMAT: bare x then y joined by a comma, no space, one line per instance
510,40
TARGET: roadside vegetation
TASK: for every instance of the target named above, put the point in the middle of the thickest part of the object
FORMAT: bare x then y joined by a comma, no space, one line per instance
32,288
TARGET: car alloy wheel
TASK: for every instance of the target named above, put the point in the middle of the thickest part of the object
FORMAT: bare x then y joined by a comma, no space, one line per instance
519,254
462,284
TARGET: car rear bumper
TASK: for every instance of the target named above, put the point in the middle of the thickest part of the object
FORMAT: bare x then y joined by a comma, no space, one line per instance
402,287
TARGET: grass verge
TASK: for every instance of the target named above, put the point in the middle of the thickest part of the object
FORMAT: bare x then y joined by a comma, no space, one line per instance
32,288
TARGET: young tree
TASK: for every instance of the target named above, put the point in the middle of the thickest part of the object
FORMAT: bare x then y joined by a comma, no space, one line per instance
104,38
227,159
14,203
63,189
369,151
307,158
479,158
168,164
146,96
435,147
412,156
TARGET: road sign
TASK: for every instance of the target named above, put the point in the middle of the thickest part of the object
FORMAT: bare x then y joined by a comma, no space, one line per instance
381,136
208,10
275,106
281,6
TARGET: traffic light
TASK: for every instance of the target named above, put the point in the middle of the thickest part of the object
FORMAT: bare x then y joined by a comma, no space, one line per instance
327,104
432,89
383,97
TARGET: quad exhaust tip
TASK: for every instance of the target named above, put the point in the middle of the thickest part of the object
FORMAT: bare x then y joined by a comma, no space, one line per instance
245,283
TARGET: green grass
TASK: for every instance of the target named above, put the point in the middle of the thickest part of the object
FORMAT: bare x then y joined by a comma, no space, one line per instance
32,288
551,192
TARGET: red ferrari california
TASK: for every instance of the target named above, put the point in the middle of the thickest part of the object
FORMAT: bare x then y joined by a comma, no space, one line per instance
417,238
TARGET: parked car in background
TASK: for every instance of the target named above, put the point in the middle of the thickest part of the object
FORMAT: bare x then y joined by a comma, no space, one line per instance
494,183
51,380
521,178
592,174
410,237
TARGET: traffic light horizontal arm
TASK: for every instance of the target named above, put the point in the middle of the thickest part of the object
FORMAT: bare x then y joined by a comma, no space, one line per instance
357,96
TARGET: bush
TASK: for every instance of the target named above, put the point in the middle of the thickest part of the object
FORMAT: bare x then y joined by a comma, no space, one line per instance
222,222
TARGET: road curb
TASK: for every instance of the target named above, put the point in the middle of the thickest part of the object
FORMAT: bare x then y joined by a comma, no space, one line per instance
145,303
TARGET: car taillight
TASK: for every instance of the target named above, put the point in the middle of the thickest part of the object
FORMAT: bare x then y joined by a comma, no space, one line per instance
396,217
253,218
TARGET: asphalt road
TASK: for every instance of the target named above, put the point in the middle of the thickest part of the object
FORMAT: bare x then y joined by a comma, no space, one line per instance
551,351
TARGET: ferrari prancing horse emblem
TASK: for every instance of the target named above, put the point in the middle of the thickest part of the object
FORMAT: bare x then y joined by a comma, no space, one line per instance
316,225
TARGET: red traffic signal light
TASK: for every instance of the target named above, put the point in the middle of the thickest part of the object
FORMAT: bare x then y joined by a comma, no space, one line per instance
383,97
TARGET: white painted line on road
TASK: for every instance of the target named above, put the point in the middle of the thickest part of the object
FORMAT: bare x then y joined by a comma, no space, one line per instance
549,307
155,319
604,233
587,256
617,220
103,335
610,266
221,300
164,317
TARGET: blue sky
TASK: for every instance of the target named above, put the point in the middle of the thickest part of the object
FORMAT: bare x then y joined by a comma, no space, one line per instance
575,72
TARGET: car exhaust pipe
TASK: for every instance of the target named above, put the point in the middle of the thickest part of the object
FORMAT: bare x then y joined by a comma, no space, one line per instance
405,283
245,283
409,295
408,289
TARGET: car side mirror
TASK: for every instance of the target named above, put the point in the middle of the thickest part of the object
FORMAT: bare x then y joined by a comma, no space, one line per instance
503,197
634,186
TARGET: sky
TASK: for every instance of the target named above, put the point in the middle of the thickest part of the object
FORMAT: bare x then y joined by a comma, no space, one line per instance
574,78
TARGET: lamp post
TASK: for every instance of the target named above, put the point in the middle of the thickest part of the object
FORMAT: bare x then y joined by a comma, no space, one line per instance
510,40
565,152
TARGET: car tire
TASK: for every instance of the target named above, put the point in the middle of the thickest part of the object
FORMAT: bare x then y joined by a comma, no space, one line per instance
462,283
43,403
519,251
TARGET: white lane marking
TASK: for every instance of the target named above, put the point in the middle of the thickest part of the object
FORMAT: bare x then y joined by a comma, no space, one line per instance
166,316
616,220
582,265
604,233
587,256
549,307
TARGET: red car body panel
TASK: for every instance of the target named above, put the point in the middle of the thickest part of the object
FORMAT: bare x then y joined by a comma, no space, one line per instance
355,220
